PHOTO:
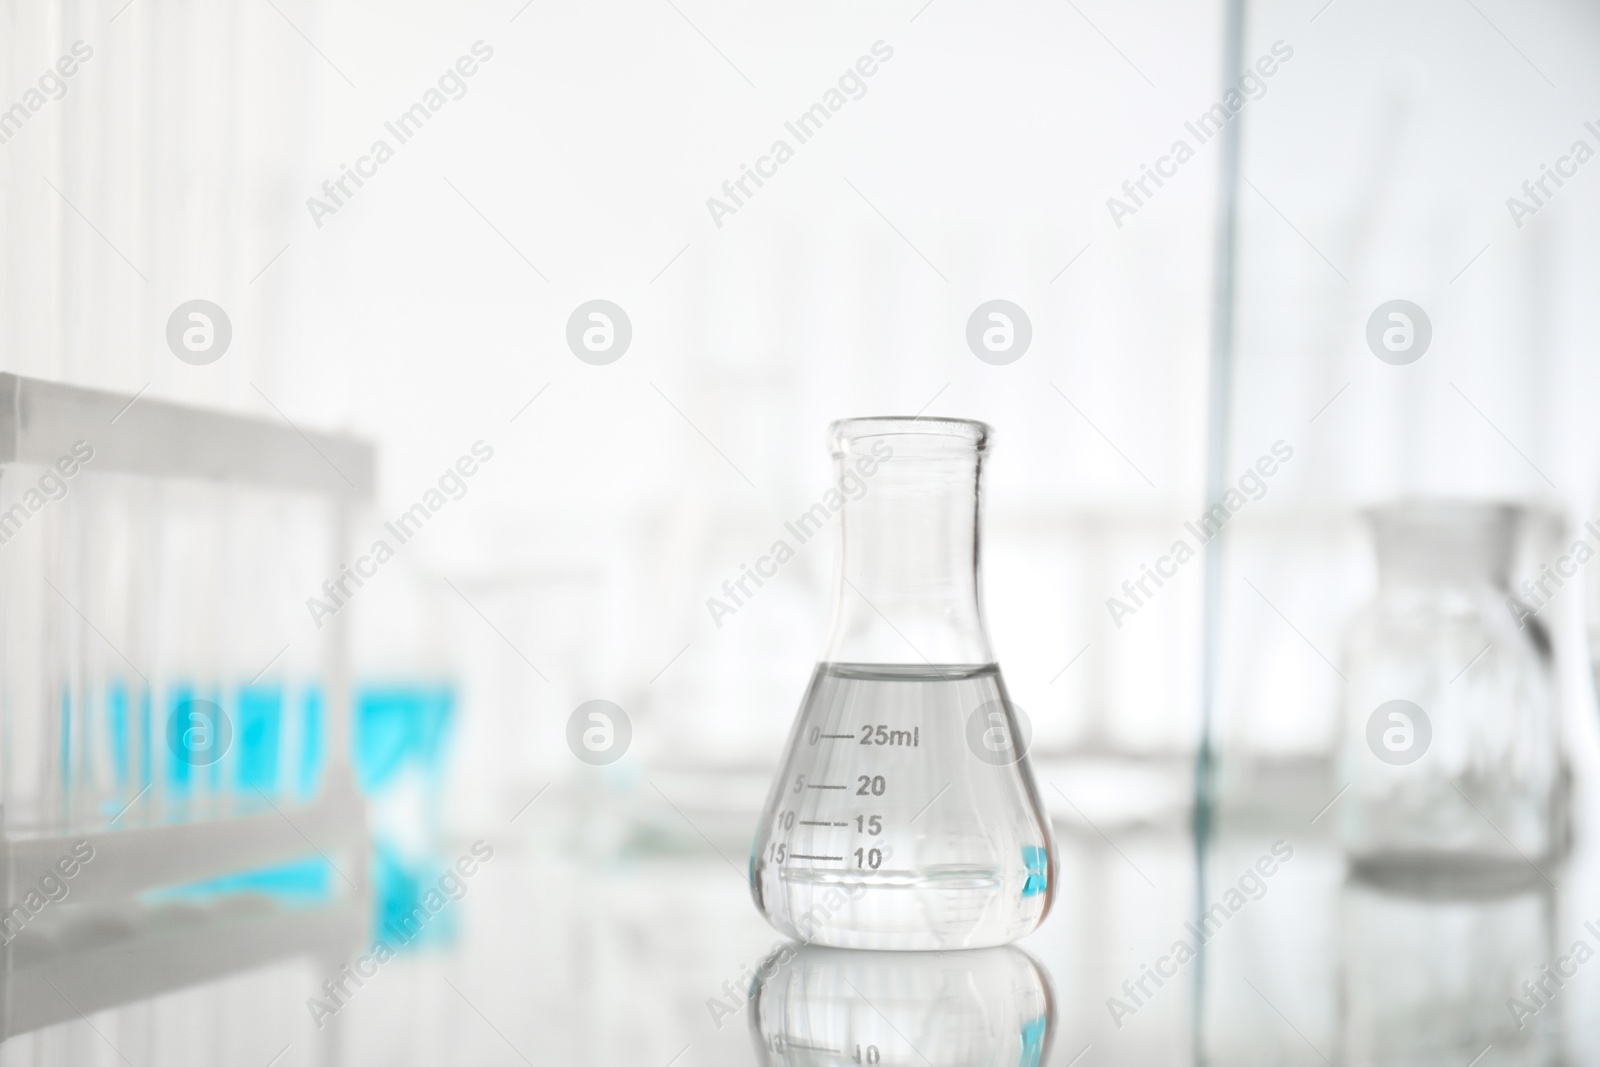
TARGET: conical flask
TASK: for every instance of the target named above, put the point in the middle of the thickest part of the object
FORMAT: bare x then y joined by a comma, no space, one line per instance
904,814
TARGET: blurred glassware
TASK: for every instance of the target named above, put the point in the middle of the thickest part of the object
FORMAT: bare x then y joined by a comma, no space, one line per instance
904,814
1451,752
813,1006
1433,978
1591,596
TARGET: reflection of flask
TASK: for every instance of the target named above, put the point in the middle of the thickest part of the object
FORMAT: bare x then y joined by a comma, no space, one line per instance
1451,747
816,1006
1435,978
904,815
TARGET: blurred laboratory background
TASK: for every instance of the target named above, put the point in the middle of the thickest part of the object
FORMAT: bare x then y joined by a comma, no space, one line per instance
380,385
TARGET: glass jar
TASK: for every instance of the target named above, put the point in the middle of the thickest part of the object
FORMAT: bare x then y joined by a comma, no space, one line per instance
1451,762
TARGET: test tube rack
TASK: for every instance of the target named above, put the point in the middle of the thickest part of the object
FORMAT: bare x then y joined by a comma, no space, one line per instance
131,949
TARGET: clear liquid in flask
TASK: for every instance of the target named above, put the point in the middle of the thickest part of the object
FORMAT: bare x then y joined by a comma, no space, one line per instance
904,816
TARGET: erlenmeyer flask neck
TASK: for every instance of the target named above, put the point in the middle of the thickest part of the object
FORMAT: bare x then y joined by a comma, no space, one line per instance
1441,542
908,567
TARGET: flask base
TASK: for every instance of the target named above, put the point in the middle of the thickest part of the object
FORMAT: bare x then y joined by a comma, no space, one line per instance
1447,874
948,908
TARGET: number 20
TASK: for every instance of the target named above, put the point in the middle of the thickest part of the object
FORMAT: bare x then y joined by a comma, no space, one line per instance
871,783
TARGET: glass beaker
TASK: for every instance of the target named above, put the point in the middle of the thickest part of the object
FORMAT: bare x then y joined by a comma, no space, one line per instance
1451,749
904,814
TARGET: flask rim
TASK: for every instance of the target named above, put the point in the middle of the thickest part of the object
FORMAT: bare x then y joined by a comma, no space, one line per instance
1420,509
1432,538
974,434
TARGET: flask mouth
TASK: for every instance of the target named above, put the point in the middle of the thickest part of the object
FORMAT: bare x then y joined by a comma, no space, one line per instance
1423,538
908,529
911,435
